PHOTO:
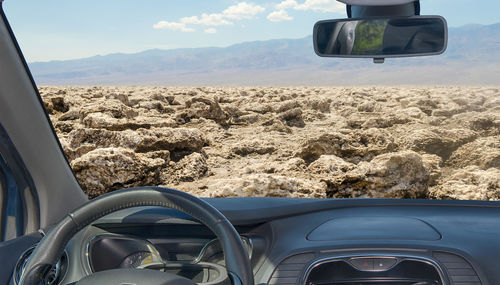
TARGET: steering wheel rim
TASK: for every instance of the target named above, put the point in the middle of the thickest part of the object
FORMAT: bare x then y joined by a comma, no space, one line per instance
51,247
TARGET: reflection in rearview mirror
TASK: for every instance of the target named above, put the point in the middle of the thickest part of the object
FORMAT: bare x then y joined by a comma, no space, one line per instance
381,37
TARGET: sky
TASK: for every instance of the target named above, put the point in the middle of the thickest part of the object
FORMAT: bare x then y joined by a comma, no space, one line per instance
68,29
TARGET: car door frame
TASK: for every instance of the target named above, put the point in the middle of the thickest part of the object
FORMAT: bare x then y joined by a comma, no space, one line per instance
28,126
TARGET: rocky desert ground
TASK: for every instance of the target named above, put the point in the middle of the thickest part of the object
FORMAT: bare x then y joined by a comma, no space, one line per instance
370,142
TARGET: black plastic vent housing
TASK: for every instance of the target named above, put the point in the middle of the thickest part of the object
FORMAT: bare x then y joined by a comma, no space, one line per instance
55,275
291,269
404,271
459,271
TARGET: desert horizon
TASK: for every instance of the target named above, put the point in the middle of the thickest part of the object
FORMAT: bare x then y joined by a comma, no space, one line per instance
470,59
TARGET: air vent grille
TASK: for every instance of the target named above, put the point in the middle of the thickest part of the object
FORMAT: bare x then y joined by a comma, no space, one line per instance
458,269
290,270
55,275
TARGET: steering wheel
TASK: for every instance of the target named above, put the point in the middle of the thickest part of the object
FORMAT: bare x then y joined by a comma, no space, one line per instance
51,247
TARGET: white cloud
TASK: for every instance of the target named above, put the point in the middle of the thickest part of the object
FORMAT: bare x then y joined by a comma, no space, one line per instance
210,31
243,10
207,20
174,26
313,5
287,4
278,16
240,11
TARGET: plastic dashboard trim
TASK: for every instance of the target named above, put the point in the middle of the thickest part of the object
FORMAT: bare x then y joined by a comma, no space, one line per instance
302,280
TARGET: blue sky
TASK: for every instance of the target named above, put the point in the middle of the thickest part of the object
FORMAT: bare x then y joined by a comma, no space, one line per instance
67,29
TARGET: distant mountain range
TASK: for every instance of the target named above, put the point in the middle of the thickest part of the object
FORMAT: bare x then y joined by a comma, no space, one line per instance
472,58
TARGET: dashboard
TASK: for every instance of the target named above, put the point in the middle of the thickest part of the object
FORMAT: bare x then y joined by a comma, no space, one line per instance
302,242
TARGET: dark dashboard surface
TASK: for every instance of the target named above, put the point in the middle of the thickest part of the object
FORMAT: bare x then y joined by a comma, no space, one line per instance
289,238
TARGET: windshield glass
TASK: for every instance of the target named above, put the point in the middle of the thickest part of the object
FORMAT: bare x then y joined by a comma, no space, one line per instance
228,98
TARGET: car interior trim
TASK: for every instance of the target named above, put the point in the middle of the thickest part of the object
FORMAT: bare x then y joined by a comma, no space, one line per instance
400,257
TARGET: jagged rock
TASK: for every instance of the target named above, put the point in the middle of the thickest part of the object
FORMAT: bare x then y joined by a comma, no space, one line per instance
321,105
277,126
110,107
449,112
266,185
70,115
105,121
480,122
155,106
368,106
252,147
426,105
172,101
107,169
172,139
433,164
385,121
63,127
483,152
325,144
354,146
330,164
81,141
413,112
393,175
384,142
291,165
287,106
59,104
200,107
470,183
190,168
438,141
293,117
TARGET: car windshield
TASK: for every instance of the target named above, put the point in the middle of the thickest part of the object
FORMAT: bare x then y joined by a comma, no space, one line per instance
229,99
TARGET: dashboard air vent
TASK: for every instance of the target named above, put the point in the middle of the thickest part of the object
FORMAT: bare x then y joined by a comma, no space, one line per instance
290,270
54,277
458,269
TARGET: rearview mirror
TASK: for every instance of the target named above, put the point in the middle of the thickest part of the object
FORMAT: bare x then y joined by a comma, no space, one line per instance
381,37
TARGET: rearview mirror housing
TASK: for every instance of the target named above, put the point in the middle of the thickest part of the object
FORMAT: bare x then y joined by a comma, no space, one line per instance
381,37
